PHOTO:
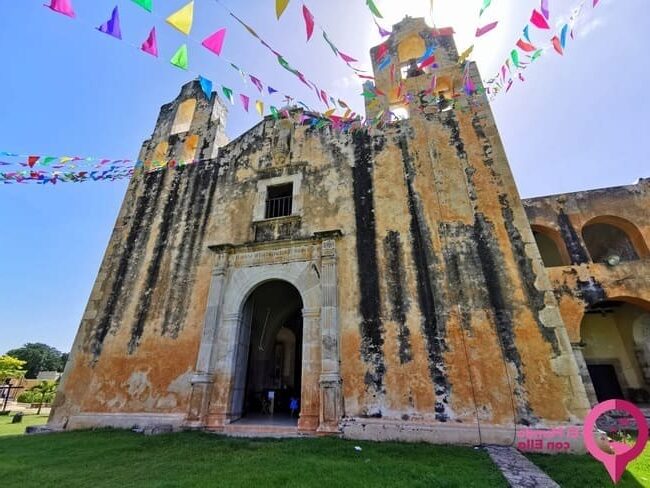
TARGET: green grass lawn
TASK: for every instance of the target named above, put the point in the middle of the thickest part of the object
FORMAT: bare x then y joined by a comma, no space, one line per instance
124,459
576,471
7,428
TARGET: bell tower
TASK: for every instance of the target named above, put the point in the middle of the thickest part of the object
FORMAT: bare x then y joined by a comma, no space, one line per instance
481,283
191,128
415,61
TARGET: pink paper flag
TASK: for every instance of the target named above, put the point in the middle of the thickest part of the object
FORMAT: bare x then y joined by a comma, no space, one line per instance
150,46
64,7
596,2
484,30
545,11
347,58
245,101
309,21
557,45
214,43
539,21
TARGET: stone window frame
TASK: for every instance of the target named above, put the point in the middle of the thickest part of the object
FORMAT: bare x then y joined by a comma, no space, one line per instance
259,212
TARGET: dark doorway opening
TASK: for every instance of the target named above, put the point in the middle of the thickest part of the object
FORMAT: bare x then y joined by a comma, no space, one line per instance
605,381
273,365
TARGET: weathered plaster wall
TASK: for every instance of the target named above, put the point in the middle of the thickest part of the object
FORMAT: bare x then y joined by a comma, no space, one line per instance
585,283
445,312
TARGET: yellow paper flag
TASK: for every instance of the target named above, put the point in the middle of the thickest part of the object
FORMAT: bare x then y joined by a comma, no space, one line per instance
259,105
280,6
329,113
466,54
182,19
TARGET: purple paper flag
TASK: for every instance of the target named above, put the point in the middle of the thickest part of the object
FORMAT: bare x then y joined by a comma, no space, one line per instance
256,82
112,26
382,32
484,30
272,90
545,11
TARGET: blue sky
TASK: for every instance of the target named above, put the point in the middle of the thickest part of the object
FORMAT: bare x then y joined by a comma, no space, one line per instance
578,122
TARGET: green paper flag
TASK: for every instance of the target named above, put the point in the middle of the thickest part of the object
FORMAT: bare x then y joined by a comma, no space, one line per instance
373,8
145,4
227,92
486,4
274,112
537,54
48,159
180,58
515,57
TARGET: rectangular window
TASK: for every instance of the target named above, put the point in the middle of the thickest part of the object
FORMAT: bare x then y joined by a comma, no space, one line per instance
279,201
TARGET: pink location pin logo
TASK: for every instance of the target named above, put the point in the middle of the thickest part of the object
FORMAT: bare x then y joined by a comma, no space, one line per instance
615,463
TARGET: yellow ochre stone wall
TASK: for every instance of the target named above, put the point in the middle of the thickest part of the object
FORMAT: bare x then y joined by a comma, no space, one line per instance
444,313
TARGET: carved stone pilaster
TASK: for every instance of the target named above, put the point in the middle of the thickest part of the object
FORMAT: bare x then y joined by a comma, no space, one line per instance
311,368
202,380
331,398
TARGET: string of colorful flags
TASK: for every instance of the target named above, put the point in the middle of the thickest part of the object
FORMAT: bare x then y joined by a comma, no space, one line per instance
321,94
310,24
182,20
513,66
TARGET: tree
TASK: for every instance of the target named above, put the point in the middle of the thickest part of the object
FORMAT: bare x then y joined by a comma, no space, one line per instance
38,357
44,389
11,367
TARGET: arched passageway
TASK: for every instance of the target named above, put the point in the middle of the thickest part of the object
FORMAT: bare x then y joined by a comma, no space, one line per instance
268,372
616,348
613,239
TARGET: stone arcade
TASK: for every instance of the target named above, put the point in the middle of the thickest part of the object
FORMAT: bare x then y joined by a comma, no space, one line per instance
386,281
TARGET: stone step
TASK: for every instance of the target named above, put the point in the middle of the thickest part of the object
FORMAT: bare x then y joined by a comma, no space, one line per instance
518,470
252,430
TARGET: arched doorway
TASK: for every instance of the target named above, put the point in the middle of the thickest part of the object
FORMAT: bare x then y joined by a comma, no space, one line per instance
615,337
268,373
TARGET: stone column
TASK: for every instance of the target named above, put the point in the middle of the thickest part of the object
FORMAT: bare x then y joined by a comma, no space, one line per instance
311,369
202,379
584,372
226,356
331,402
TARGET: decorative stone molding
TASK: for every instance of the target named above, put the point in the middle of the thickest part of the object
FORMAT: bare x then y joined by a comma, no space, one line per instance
237,272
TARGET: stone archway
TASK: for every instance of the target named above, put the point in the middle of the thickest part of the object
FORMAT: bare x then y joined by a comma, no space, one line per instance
310,267
613,334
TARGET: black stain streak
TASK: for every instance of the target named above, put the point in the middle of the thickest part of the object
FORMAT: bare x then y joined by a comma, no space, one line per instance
534,297
368,268
153,271
528,277
139,229
396,285
492,271
577,253
434,329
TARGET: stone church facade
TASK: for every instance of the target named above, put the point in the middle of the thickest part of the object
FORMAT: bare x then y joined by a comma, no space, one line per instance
379,283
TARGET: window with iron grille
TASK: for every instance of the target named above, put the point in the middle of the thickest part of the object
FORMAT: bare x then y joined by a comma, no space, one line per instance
279,201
